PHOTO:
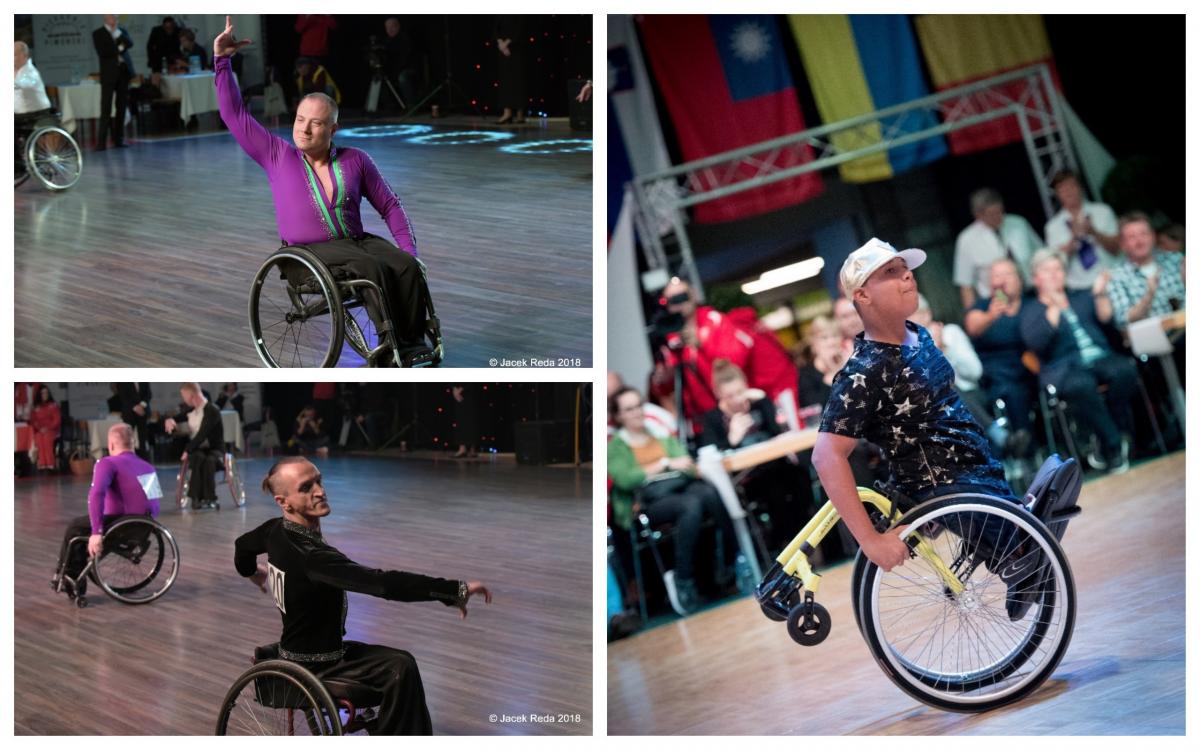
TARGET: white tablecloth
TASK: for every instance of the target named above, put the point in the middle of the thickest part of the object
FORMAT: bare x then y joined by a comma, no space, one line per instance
196,92
79,102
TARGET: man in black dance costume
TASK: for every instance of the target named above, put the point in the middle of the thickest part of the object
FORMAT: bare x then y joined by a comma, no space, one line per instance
309,580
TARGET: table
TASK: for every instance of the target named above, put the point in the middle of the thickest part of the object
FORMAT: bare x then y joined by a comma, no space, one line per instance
715,467
196,92
80,101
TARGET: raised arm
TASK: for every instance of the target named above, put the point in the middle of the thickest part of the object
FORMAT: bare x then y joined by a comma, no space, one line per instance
255,140
388,204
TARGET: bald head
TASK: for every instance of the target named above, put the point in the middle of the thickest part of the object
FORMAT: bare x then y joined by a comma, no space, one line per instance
120,439
321,105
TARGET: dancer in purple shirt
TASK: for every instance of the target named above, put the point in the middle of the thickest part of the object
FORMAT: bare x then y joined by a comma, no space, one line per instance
317,188
122,485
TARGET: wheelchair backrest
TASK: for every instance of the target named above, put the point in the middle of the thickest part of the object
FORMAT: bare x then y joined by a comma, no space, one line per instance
1056,479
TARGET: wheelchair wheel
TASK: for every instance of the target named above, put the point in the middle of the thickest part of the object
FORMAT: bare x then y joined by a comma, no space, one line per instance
181,485
140,561
962,652
233,478
53,157
278,698
296,314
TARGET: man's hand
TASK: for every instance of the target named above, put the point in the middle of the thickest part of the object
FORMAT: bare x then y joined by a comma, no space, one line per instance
95,542
473,588
225,45
169,425
739,425
139,410
502,45
1151,287
1101,284
585,93
681,463
183,456
886,550
260,579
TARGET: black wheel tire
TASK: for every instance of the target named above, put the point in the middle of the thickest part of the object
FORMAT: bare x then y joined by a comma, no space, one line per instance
81,601
771,614
815,631
860,565
1030,647
314,690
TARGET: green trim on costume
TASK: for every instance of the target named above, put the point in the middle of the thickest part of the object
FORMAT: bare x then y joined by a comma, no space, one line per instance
320,196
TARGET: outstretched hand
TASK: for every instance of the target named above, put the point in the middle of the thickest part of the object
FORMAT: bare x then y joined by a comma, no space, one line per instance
225,45
473,588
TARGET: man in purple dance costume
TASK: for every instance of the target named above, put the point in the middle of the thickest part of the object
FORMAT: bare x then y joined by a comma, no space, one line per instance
317,188
122,485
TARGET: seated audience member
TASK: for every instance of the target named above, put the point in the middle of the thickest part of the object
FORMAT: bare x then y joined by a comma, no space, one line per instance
312,78
1083,232
1147,282
994,325
669,490
826,339
992,236
189,49
659,421
46,421
848,323
230,398
1063,328
310,436
708,335
162,47
1170,238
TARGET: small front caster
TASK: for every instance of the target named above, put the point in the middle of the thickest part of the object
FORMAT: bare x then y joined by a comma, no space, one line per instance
808,622
81,601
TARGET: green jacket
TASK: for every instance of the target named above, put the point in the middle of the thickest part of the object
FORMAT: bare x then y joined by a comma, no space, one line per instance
627,476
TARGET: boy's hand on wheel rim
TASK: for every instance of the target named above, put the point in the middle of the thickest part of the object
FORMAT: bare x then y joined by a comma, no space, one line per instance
887,550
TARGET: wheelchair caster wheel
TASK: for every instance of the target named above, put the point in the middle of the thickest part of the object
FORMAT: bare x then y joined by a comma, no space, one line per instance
771,613
808,623
81,601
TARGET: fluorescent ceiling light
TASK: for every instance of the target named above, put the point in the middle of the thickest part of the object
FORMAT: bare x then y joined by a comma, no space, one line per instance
790,274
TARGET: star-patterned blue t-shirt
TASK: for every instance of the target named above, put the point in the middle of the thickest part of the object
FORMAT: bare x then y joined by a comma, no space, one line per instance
902,398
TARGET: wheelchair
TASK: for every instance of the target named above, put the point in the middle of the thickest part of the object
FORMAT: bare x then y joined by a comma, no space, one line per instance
280,697
301,312
233,480
49,154
941,626
138,563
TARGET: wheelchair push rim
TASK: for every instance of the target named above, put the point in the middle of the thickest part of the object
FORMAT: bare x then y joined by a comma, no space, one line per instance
961,652
278,698
137,572
296,324
53,157
233,478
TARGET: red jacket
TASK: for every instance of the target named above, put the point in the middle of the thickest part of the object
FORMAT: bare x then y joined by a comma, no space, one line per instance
736,336
314,34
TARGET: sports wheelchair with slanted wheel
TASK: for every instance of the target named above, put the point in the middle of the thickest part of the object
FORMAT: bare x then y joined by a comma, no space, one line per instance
49,154
301,312
139,561
280,697
944,626
233,480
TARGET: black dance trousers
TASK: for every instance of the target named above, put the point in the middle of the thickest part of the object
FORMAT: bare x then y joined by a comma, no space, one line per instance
202,480
395,271
687,509
391,672
108,90
1109,415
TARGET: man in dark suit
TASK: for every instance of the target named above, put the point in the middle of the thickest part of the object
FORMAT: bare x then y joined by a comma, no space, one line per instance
116,68
134,399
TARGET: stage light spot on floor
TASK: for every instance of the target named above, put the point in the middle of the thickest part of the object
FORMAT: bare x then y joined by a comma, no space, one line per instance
461,138
560,146
383,131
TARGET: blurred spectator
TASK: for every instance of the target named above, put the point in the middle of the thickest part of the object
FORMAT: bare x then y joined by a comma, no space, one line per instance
708,335
24,395
231,399
512,43
992,236
189,49
399,62
466,419
112,45
46,421
829,354
162,48
312,78
1083,232
1147,281
133,403
743,417
994,325
849,324
659,421
314,33
1170,238
663,477
309,435
1063,328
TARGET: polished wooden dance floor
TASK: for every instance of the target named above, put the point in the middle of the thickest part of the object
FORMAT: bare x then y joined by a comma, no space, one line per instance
148,260
163,668
731,671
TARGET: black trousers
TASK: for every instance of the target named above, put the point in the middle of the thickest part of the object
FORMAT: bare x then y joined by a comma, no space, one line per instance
394,674
76,555
1018,394
395,271
1107,416
108,89
202,476
687,509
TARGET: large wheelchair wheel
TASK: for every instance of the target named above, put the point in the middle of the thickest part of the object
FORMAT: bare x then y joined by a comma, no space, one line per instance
961,651
233,478
53,158
296,314
140,561
278,698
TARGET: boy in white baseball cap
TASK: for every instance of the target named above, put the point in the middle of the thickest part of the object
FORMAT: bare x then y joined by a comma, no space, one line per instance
897,391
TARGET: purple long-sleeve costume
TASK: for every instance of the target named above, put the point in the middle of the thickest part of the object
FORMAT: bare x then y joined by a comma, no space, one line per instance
302,212
117,489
